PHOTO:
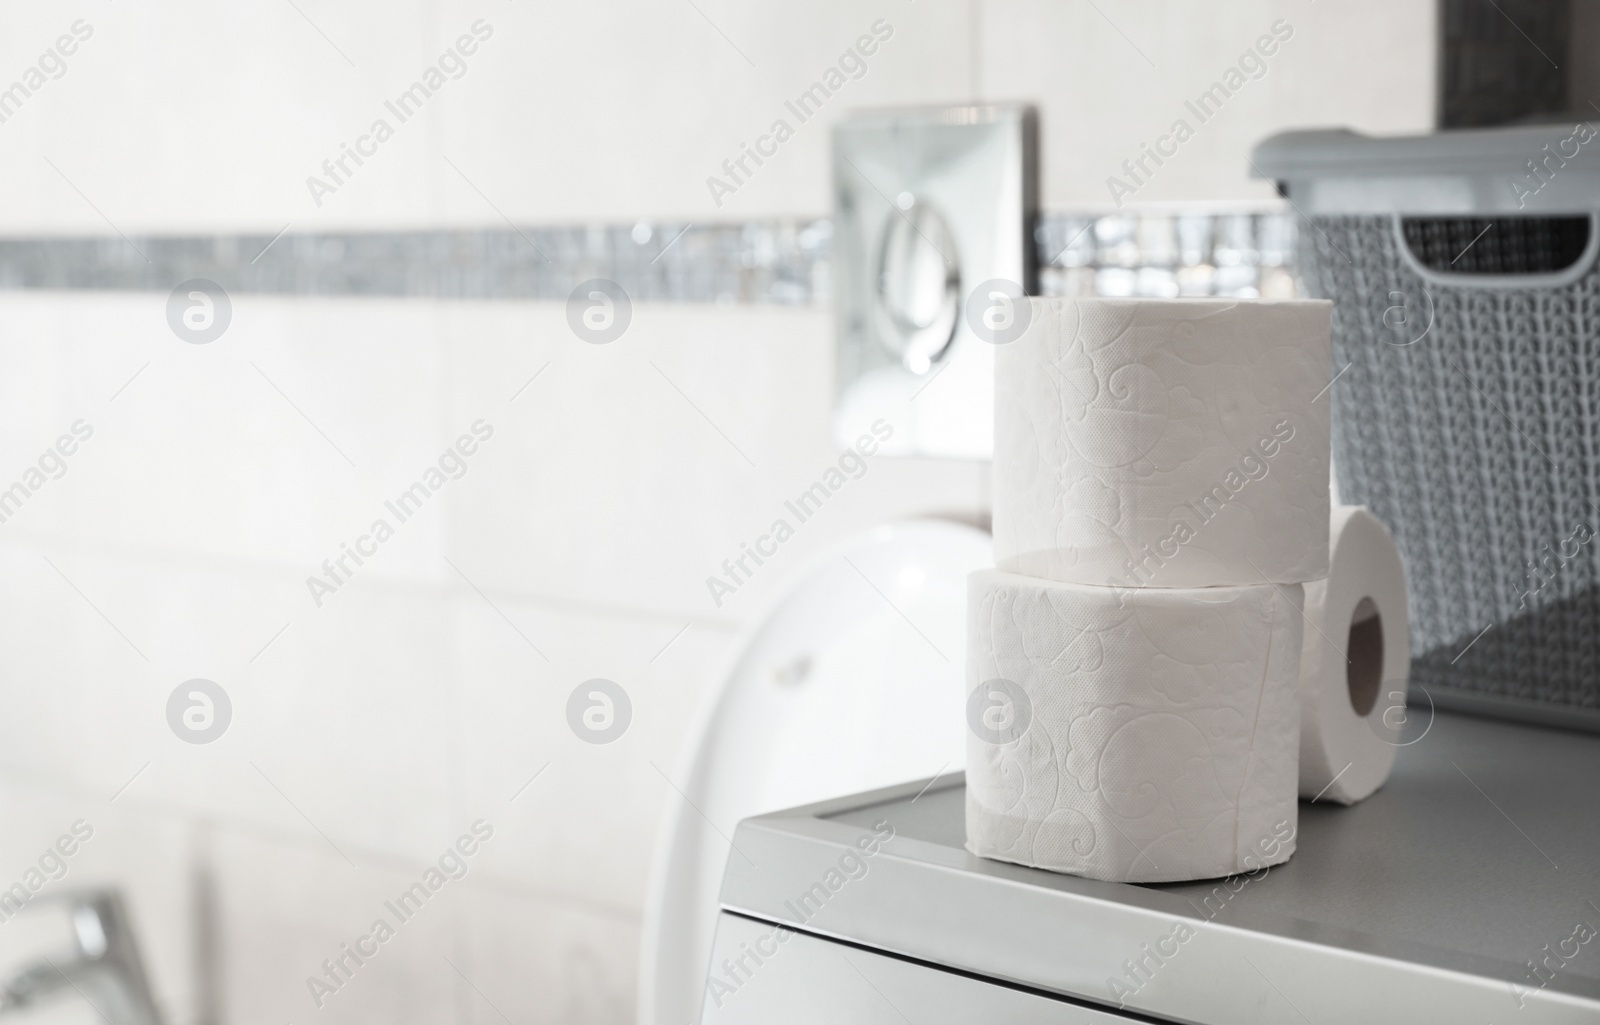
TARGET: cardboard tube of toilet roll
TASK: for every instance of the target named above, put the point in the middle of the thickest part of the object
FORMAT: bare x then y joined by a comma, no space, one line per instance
1355,663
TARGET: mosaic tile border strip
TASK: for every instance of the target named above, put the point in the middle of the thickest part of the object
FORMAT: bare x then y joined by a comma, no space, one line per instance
781,262
763,262
1249,255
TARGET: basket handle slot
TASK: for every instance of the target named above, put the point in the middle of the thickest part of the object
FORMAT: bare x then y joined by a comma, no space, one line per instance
1506,251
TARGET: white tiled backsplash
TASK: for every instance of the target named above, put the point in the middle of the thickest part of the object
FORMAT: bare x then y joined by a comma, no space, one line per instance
426,692
603,113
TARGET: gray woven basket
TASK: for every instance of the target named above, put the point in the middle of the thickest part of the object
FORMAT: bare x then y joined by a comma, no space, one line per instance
1468,420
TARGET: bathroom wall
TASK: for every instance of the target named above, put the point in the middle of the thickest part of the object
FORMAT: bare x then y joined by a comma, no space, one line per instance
373,725
207,117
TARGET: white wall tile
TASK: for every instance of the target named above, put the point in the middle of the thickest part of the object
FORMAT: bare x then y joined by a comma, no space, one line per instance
584,829
1111,77
534,961
277,99
676,99
287,906
606,483
219,450
337,724
90,697
611,482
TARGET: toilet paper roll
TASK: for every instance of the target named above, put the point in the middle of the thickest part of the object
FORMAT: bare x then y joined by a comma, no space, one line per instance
1164,442
1355,662
1138,735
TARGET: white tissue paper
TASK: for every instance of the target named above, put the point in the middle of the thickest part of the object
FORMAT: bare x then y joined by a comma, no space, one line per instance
1355,662
1164,442
1144,735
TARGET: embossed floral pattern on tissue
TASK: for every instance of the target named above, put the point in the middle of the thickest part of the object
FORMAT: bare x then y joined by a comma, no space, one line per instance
1165,728
1132,442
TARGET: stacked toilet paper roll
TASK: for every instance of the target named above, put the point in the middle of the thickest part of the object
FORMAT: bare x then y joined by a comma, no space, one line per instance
1159,732
1161,494
1164,443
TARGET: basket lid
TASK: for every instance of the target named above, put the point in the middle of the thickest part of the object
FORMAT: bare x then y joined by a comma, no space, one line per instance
1541,169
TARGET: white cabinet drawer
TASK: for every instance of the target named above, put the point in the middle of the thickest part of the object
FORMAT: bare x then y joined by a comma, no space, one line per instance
804,980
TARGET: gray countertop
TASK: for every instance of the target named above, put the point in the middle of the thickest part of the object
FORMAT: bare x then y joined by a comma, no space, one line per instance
1481,850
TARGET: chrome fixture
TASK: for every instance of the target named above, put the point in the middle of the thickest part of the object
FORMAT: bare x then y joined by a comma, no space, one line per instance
103,968
932,207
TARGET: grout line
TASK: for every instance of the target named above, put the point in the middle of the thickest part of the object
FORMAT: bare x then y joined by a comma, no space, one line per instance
66,789
151,556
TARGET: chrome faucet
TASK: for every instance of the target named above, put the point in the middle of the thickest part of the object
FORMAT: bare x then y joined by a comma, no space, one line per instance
104,968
